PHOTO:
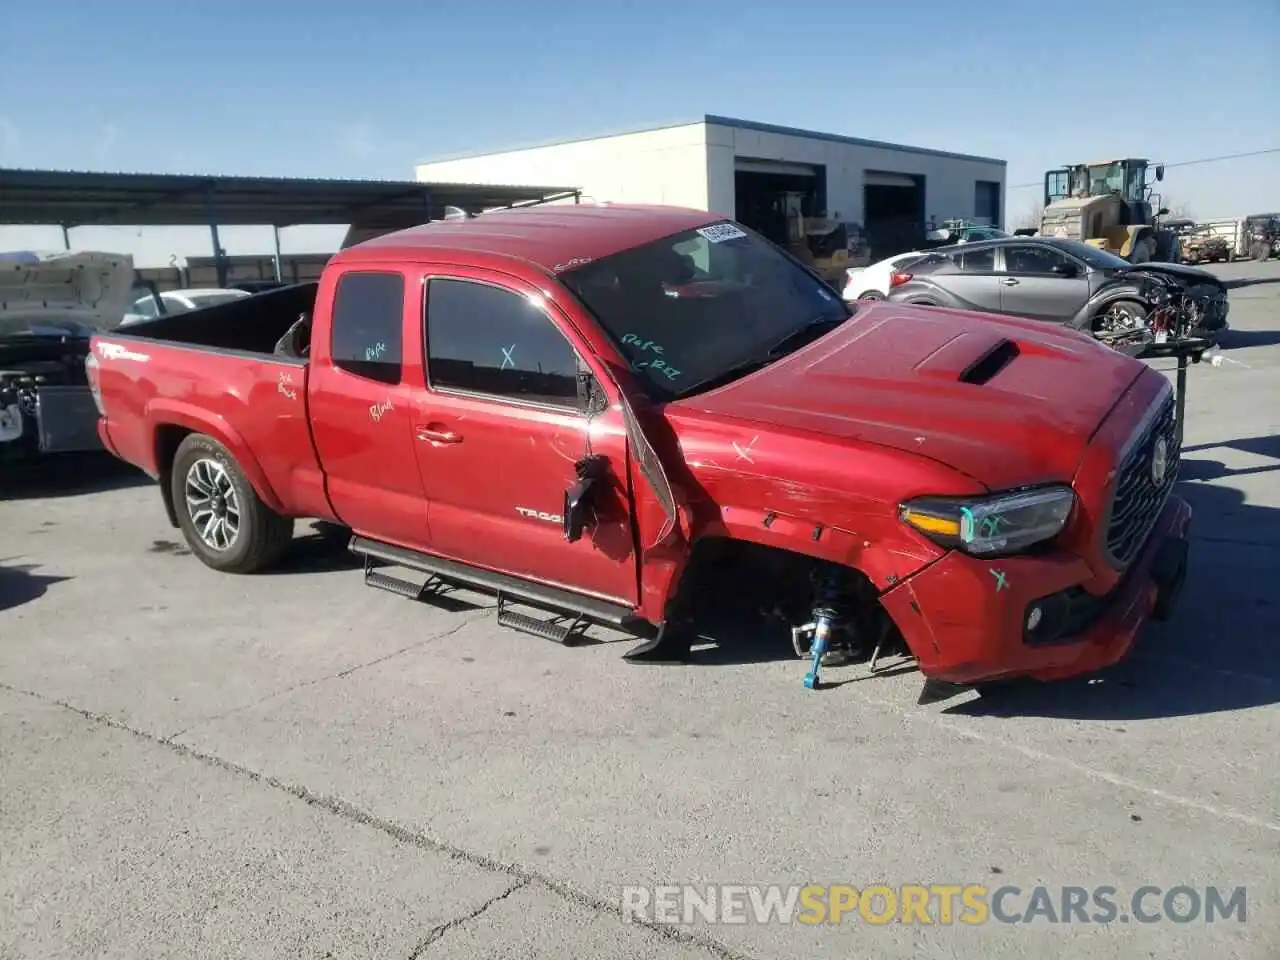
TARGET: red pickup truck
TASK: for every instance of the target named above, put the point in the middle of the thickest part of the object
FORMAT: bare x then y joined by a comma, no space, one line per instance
587,409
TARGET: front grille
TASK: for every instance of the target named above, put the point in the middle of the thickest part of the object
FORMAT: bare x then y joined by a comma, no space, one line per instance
1138,499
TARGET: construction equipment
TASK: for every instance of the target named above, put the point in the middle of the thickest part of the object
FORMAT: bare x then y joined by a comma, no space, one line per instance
1109,204
826,245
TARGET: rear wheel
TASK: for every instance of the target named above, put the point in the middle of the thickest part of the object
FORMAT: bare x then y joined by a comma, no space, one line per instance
221,516
871,295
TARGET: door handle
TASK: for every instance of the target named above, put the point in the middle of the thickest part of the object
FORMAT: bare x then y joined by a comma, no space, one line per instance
1010,281
436,433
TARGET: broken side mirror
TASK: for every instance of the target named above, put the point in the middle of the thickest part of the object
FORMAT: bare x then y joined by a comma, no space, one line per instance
579,507
1163,211
1064,269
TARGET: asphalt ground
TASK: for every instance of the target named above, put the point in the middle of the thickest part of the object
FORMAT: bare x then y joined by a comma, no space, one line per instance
293,765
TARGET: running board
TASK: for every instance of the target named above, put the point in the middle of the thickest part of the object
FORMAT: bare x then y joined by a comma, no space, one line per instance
578,609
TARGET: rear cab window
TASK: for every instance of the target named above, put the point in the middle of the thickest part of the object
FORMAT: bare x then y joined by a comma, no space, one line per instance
367,328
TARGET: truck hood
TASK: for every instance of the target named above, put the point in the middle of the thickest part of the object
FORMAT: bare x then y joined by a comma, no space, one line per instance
1005,401
53,294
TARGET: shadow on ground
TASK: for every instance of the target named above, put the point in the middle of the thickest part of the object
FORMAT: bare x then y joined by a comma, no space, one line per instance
1219,651
1243,282
19,584
68,475
1242,339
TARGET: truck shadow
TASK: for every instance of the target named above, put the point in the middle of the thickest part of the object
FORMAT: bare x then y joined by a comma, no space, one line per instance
19,585
68,475
320,549
1219,652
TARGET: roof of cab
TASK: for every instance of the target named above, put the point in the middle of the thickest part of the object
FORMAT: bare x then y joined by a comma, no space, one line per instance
553,237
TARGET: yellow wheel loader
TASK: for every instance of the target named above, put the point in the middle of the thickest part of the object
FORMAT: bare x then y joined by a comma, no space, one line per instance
1109,204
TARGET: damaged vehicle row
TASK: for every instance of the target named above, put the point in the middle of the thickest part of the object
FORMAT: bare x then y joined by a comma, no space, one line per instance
584,410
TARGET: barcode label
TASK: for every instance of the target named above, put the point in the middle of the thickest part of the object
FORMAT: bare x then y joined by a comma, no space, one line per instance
720,232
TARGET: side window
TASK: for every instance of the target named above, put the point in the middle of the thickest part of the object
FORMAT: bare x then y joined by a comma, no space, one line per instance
484,339
1033,260
368,325
977,261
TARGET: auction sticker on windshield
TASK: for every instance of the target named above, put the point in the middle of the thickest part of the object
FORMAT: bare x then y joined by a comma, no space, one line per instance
720,232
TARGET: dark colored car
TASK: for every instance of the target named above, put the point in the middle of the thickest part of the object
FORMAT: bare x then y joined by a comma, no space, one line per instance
1059,281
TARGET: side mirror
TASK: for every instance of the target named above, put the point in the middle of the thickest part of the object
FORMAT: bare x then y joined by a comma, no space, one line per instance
1160,172
579,507
1065,269
1162,212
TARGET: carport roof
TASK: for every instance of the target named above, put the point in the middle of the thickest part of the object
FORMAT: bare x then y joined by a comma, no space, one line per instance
75,199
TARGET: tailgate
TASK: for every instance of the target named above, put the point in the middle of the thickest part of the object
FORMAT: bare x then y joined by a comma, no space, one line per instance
151,393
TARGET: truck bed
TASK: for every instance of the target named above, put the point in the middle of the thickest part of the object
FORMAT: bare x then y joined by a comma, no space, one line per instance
212,371
249,325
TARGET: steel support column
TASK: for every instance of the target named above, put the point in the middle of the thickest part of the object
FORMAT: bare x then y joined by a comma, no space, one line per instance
219,255
275,236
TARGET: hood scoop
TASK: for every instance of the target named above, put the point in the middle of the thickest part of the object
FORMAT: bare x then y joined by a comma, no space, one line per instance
973,357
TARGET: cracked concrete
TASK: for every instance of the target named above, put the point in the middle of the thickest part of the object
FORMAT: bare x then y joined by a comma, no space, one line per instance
295,766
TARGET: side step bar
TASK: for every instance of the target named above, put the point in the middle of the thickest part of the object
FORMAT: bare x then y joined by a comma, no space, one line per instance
570,611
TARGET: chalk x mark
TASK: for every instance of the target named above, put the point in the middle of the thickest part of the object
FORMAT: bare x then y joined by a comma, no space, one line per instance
1002,583
745,454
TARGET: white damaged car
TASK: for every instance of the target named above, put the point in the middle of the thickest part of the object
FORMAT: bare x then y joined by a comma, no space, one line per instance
50,304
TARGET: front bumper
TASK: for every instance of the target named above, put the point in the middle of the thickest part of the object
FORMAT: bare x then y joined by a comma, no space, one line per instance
966,619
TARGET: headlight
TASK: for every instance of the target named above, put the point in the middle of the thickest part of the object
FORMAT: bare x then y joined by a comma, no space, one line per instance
1004,523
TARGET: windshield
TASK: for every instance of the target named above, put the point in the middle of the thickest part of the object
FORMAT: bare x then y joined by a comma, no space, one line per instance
1094,257
692,307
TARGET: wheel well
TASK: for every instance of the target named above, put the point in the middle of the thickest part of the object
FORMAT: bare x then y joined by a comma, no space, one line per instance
168,437
1095,324
731,581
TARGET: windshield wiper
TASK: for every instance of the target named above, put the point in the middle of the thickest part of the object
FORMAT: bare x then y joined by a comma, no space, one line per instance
787,344
801,335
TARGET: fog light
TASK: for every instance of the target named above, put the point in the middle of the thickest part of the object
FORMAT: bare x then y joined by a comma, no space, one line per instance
1034,616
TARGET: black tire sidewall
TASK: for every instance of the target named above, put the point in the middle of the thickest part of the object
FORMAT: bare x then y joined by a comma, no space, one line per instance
201,447
871,296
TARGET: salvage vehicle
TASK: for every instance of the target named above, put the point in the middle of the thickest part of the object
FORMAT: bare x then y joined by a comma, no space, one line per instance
874,282
1109,204
592,410
1059,281
1262,233
1198,243
50,305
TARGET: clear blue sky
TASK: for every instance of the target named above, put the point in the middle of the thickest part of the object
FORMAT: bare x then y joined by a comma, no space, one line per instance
368,88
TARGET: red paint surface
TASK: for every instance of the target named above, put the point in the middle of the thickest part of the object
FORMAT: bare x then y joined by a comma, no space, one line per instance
830,440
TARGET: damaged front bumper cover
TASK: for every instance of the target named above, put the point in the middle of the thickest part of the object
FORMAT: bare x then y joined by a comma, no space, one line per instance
971,621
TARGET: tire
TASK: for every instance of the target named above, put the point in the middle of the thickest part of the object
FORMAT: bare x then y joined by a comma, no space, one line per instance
242,534
871,295
1130,312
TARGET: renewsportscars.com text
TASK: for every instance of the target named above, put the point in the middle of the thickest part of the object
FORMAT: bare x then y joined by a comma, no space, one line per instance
932,904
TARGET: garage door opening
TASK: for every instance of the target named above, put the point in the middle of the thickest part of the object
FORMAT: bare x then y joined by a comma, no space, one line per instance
892,212
767,192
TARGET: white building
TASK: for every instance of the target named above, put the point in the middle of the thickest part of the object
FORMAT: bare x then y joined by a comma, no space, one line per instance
755,172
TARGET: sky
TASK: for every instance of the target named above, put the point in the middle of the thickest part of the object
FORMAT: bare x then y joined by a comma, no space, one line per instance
368,89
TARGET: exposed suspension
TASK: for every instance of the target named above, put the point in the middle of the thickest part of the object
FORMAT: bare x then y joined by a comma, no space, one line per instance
830,636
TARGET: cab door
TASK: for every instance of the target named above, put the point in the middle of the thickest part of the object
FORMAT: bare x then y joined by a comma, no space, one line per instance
504,415
360,403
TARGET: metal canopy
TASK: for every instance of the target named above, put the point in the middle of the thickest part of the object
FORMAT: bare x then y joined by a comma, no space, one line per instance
79,199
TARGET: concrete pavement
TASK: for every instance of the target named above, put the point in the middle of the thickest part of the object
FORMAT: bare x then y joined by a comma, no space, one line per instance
296,766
